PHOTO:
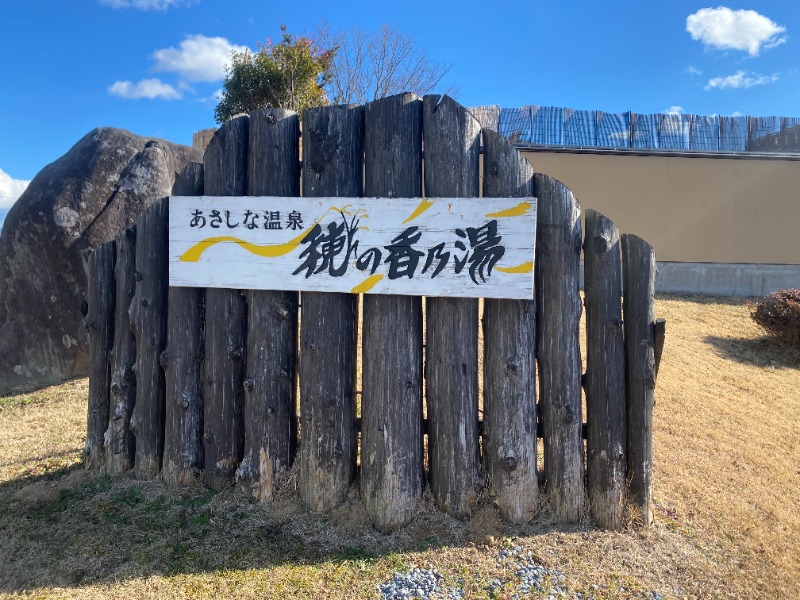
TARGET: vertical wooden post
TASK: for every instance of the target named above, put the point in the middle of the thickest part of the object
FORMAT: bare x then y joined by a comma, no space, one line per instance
119,439
225,174
148,315
182,361
270,434
605,372
333,149
100,323
391,400
558,249
509,366
452,140
189,182
639,280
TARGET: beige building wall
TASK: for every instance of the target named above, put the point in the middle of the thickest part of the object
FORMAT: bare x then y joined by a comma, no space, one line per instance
716,210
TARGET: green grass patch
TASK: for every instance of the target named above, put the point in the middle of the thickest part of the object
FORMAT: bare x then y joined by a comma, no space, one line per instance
24,399
130,496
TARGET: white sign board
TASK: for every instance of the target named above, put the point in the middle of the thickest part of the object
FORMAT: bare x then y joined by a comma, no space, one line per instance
467,247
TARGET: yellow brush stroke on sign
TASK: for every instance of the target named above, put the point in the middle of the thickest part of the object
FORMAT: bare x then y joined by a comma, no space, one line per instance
523,268
421,208
194,253
367,284
520,209
267,251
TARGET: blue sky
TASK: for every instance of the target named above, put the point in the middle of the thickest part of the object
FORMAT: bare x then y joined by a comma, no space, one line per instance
153,66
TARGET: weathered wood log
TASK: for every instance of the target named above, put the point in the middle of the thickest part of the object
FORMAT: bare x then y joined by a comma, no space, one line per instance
605,372
452,140
558,248
270,428
189,182
225,174
119,439
639,277
148,316
509,366
333,144
100,324
391,400
182,362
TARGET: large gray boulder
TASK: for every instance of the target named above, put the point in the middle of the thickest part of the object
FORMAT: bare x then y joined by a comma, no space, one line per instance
80,201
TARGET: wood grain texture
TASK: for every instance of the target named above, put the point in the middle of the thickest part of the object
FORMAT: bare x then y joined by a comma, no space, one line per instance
391,401
148,316
119,439
270,433
225,174
605,373
639,276
333,149
189,182
100,324
558,248
452,138
183,366
333,144
509,366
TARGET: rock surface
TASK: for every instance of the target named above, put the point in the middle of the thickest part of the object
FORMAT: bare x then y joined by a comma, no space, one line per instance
76,203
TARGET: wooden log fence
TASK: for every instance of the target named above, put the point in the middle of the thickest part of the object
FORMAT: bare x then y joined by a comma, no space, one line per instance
270,436
148,318
452,142
225,174
182,361
509,337
333,149
200,385
558,241
605,372
120,443
100,324
391,401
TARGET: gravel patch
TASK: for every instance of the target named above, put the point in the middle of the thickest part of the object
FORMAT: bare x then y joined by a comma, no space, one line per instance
418,583
525,576
520,576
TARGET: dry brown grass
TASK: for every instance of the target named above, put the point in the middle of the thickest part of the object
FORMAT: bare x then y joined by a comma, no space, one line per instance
727,490
42,431
727,463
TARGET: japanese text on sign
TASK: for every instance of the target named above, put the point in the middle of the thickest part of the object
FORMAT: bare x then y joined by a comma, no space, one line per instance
469,247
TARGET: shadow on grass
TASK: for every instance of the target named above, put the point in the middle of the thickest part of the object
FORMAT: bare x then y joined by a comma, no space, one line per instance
75,528
766,351
37,393
707,300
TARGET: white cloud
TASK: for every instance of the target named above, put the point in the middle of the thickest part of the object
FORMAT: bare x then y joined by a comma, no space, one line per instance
146,88
199,58
674,110
691,70
215,97
10,189
144,4
728,29
739,80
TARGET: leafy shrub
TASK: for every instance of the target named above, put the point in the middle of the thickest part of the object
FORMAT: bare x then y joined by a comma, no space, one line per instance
779,315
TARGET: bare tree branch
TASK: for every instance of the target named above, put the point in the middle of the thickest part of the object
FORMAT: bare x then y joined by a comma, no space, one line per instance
371,65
